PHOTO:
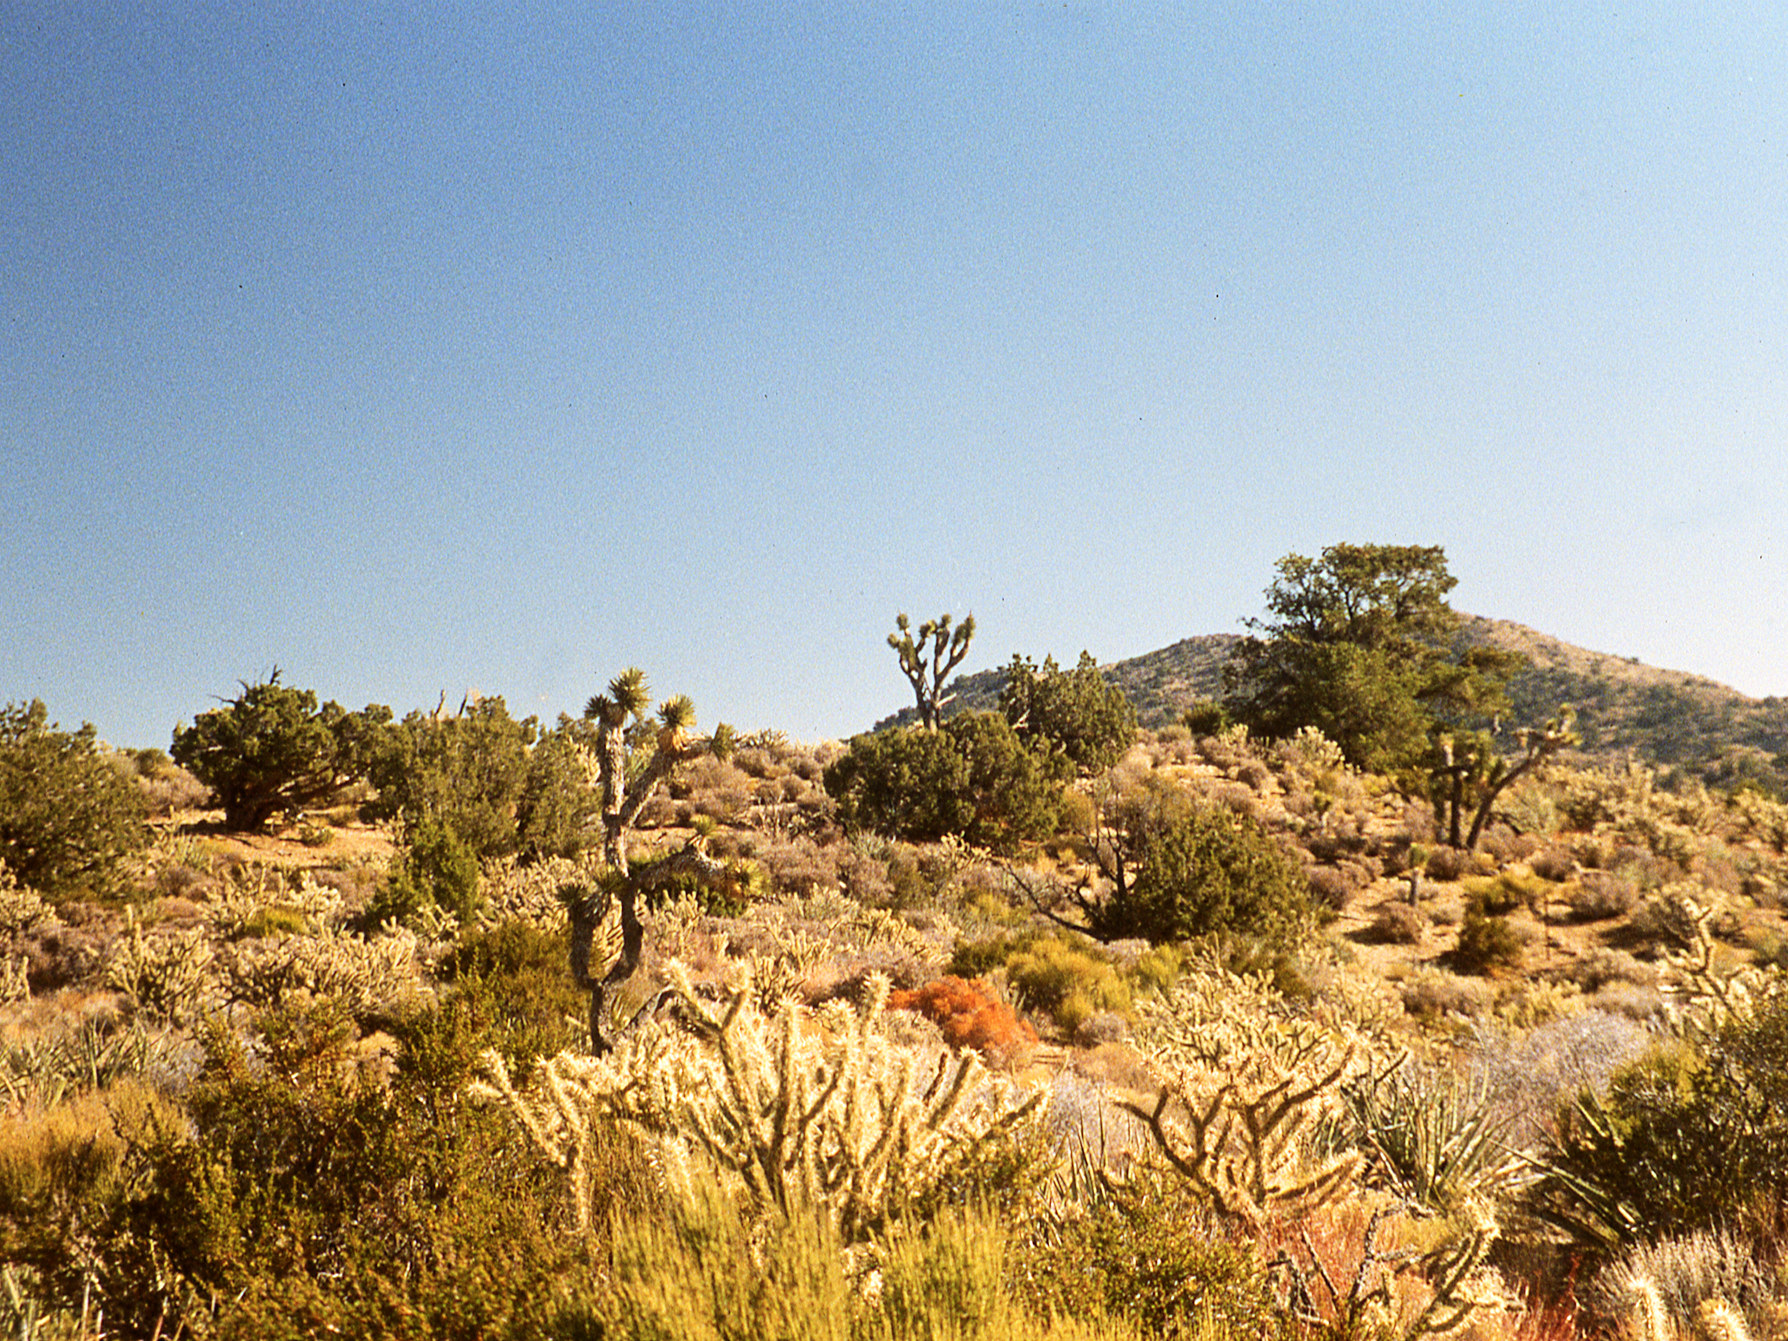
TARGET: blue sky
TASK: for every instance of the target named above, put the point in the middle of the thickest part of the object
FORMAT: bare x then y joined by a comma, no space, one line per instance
425,349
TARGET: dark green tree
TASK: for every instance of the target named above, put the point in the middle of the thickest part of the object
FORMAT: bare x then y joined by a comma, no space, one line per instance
1360,644
1076,713
928,660
466,771
68,813
1163,867
973,779
560,814
273,750
905,782
1208,872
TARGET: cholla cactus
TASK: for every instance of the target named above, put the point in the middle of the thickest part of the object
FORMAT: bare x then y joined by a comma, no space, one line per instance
1650,1320
361,972
1719,1321
15,980
167,976
1245,1088
803,1108
21,907
1700,996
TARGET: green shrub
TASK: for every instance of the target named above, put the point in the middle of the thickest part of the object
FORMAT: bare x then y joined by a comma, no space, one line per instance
1488,942
272,749
516,979
1067,980
309,1192
972,778
1210,872
68,814
1136,1254
467,772
559,813
438,870
1694,1135
1074,714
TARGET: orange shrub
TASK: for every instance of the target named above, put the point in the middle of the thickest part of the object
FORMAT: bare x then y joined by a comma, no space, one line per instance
969,1018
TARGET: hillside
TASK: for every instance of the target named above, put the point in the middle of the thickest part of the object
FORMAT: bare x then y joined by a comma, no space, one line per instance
1665,717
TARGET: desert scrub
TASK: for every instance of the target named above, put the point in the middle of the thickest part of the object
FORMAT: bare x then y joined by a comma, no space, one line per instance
310,1188
1488,944
1692,1136
1147,1252
705,1272
1246,1089
65,1168
969,1018
1686,1272
165,976
1067,980
1507,892
815,1108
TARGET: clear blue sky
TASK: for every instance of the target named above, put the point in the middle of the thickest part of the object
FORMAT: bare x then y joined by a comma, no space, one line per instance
423,349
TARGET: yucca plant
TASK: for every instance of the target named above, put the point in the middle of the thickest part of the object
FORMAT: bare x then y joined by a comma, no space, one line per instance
1433,1137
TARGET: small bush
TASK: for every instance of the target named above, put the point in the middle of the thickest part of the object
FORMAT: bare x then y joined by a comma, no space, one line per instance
1489,943
1506,893
1211,872
1598,896
1066,980
1398,924
1136,1253
69,815
1447,863
438,871
1556,864
969,1018
1332,887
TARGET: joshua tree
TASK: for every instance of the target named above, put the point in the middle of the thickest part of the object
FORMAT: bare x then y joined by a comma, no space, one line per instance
1471,763
947,648
623,736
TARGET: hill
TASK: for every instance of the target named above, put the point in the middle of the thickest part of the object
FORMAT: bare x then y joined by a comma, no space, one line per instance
1665,717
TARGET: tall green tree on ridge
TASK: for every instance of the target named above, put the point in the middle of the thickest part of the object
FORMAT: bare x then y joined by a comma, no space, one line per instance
1360,643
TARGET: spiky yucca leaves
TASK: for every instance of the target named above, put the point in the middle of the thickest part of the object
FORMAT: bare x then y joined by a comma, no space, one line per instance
1246,1090
801,1108
1434,1139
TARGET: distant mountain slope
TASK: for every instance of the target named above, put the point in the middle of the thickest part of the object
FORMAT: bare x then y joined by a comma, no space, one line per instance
1662,716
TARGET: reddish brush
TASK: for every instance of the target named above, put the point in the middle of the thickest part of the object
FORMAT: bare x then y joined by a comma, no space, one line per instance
969,1018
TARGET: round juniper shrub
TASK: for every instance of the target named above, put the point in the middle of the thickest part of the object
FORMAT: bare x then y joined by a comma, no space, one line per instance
1211,872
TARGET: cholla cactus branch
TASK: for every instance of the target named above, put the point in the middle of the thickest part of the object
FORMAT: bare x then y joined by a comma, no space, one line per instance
1244,1092
803,1108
